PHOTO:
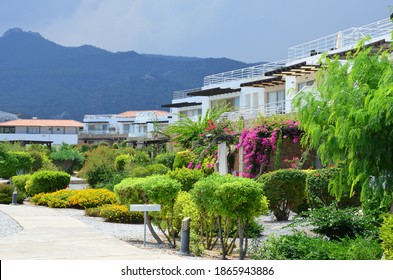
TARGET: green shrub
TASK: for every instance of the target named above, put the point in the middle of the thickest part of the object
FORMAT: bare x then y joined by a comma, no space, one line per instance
131,191
301,247
6,192
121,161
184,207
138,172
338,223
166,159
119,214
285,191
183,158
9,164
89,198
25,161
187,177
140,157
317,187
93,212
47,181
99,165
20,182
387,237
67,159
157,169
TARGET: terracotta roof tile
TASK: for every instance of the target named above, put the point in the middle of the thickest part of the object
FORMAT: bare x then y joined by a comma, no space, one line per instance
39,122
134,113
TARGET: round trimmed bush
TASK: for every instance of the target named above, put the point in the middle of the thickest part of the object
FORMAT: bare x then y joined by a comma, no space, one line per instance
157,169
187,177
47,181
6,192
20,182
119,214
285,191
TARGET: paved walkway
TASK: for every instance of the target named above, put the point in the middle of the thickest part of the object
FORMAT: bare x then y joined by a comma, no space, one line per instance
49,235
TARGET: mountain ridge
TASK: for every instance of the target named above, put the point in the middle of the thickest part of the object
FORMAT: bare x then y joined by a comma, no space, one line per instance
43,79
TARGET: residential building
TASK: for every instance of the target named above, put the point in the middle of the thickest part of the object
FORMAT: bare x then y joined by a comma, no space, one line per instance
269,88
132,126
42,131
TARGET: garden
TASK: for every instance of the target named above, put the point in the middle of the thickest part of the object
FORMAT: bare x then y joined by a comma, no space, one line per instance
342,211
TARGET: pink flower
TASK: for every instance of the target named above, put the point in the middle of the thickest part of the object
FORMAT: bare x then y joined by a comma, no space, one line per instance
198,166
190,165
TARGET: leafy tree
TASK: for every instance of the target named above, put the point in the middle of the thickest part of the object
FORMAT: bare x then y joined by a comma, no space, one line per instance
349,120
67,158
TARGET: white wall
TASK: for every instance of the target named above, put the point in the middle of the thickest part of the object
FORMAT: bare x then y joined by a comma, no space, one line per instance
57,139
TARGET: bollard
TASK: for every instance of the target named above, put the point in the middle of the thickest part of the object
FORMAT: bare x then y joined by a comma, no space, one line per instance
15,197
185,236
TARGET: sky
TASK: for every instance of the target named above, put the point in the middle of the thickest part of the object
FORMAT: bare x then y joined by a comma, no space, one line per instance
246,30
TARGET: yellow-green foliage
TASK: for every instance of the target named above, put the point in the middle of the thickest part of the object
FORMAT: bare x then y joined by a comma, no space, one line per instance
76,198
387,237
184,207
116,214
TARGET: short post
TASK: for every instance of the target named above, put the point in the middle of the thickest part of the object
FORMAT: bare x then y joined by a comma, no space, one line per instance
14,195
145,208
185,236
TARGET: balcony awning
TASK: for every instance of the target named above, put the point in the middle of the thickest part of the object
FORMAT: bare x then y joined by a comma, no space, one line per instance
380,45
181,104
298,69
213,91
269,82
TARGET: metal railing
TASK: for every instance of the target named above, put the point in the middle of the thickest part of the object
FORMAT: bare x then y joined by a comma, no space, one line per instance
103,116
180,94
346,38
269,109
249,72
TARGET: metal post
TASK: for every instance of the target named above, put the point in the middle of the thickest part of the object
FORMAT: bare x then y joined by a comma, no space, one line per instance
185,236
144,232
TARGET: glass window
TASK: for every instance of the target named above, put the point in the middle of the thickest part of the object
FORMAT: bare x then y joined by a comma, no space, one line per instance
32,130
6,129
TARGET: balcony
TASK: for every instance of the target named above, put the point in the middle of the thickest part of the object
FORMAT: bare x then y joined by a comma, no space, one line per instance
343,39
269,109
252,72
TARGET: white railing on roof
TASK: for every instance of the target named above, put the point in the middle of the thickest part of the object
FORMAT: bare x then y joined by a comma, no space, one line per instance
269,109
102,116
346,38
249,72
180,94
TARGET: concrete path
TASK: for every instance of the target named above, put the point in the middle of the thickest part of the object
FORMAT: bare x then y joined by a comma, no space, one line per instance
49,235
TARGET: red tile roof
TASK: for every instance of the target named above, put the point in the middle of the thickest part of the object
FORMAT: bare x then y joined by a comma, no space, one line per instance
134,113
43,123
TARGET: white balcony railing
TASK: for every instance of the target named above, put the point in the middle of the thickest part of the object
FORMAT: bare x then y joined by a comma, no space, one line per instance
246,73
180,94
269,109
342,39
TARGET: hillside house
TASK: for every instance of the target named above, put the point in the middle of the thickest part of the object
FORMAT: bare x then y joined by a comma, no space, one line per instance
53,132
132,126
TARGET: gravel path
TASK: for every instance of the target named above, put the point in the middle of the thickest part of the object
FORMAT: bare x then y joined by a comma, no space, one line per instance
8,225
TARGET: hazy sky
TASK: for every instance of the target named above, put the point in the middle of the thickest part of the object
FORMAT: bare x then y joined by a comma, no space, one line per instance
245,30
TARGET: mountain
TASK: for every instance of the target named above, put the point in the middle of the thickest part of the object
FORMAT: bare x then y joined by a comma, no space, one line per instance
43,79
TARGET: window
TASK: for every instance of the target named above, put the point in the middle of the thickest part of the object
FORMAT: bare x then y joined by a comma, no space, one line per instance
231,103
32,130
300,86
275,102
6,129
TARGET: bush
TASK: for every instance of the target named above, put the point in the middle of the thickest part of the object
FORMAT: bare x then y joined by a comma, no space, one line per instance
20,182
25,161
138,172
121,161
183,158
187,177
387,236
285,191
119,214
157,169
99,165
131,191
184,207
9,164
6,192
338,223
301,247
317,187
47,181
89,198
166,159
67,159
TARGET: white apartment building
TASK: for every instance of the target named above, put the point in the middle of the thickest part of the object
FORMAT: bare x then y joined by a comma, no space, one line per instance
269,88
129,126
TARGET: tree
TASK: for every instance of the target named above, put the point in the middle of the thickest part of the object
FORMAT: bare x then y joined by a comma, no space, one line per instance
349,120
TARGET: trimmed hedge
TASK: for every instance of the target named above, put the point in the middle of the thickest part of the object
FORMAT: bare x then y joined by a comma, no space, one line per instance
285,191
46,181
187,177
119,214
88,198
20,182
